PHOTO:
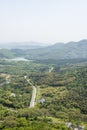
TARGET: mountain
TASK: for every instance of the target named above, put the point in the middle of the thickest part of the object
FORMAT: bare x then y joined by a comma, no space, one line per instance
5,53
71,50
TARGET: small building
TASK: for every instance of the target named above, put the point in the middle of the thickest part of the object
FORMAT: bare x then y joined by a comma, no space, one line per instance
41,101
76,128
13,95
69,124
81,127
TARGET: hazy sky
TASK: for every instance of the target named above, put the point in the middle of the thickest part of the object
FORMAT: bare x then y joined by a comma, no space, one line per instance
43,20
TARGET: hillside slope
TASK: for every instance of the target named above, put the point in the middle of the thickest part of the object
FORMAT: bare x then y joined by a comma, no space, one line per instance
71,50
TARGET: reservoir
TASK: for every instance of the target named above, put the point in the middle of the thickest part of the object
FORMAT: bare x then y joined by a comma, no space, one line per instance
18,59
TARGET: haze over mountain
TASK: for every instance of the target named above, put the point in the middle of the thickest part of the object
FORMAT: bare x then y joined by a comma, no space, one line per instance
22,45
61,51
71,50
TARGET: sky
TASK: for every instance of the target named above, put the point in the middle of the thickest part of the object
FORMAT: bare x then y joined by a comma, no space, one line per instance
44,21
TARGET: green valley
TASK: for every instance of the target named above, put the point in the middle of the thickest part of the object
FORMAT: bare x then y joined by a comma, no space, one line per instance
61,95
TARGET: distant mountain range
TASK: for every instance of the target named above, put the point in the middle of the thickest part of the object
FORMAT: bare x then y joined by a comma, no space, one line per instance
22,45
71,50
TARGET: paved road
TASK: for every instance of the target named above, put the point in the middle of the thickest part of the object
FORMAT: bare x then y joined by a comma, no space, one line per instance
32,103
51,69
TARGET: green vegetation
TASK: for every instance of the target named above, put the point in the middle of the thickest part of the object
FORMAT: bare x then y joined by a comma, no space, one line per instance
61,95
21,67
58,51
5,53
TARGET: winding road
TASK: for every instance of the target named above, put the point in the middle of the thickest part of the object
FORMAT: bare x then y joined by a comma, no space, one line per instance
32,102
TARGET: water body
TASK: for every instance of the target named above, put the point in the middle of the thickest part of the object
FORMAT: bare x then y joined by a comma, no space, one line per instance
18,59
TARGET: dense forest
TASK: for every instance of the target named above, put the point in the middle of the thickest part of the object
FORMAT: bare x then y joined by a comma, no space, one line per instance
61,97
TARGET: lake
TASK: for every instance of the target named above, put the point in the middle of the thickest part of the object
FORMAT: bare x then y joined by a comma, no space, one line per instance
18,59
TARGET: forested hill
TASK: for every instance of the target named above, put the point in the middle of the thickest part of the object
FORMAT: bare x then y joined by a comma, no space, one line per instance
71,50
57,51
